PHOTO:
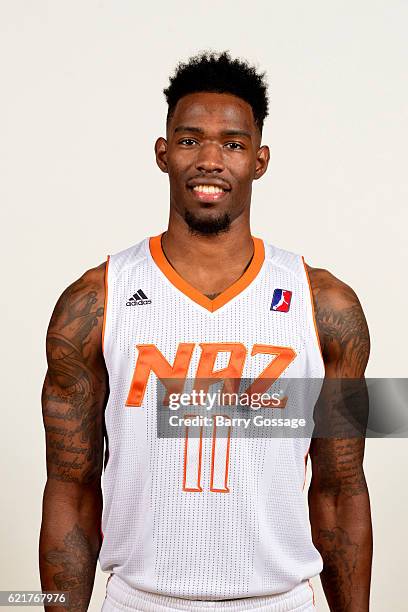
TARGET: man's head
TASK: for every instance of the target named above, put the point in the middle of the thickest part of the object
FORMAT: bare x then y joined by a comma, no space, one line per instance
212,151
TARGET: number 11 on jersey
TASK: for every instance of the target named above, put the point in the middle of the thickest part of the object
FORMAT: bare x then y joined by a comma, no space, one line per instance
193,451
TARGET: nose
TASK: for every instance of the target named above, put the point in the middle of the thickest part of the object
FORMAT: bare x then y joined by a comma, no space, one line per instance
209,158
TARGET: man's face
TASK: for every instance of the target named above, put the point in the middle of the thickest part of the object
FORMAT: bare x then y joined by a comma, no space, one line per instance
212,154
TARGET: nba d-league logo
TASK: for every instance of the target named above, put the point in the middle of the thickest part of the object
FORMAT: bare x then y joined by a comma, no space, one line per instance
281,300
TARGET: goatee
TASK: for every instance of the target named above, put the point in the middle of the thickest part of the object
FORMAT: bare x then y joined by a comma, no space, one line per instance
207,227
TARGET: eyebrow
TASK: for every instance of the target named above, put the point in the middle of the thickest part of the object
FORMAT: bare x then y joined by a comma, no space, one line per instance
186,128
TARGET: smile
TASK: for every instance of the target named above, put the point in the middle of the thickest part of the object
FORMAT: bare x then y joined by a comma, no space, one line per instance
208,193
208,189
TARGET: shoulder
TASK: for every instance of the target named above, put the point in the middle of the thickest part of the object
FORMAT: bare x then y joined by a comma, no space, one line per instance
91,285
77,318
340,321
329,291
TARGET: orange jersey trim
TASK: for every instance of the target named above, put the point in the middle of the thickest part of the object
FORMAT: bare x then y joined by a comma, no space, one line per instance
313,593
313,308
198,488
227,455
105,308
182,285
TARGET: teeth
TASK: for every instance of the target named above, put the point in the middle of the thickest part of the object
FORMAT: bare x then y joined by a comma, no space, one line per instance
208,189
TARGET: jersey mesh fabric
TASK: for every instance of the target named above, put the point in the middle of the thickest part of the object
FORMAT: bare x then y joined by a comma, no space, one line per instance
254,540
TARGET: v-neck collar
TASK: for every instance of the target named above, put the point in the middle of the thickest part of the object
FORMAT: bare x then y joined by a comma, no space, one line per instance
191,292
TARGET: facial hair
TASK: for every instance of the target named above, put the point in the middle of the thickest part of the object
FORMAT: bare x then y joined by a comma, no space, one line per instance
207,227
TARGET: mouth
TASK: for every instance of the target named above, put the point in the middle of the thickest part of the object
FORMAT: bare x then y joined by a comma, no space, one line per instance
208,193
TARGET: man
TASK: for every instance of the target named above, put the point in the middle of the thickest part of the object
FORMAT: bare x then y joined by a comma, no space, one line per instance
188,521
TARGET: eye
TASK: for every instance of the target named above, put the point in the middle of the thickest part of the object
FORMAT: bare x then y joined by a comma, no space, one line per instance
236,146
186,141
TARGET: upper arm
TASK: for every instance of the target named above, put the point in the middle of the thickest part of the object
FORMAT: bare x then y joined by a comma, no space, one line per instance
75,387
341,324
337,456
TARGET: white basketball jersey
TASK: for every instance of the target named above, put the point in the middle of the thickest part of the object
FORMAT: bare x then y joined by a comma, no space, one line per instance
216,519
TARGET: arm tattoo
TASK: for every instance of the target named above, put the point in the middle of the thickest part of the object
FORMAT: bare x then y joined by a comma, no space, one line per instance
77,560
340,559
338,469
74,388
342,326
345,333
338,495
73,397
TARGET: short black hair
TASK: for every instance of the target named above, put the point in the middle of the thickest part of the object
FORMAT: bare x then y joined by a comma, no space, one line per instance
217,72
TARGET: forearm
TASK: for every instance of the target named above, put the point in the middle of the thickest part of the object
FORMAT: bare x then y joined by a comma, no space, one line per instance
341,530
70,541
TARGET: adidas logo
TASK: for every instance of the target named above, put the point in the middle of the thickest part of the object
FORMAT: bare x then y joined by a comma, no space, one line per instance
138,299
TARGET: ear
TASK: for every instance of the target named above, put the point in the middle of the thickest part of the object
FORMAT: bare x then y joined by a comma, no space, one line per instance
160,149
262,161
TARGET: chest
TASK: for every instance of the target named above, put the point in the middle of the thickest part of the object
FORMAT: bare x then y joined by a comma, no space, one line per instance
263,331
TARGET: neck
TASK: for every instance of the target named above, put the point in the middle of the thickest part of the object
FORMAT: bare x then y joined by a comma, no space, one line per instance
231,248
209,263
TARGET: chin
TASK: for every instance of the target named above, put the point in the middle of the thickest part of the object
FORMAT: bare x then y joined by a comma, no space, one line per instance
209,223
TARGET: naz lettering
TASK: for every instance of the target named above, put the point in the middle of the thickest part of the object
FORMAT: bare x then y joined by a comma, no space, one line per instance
151,360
